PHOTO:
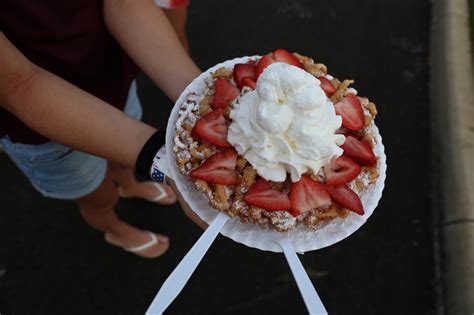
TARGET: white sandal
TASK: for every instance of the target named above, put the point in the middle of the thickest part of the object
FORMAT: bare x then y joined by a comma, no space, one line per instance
139,248
135,249
163,194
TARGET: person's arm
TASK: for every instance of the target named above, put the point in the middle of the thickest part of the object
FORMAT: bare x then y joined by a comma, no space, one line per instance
147,36
64,113
177,18
145,33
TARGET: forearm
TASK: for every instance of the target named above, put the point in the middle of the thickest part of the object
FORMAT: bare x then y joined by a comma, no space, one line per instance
146,35
65,113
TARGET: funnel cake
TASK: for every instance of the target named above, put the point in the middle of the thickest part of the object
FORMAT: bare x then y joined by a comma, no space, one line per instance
236,182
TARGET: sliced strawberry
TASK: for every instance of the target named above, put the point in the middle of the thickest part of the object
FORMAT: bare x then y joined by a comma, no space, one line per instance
327,86
249,82
345,197
264,62
306,195
262,195
360,151
281,55
224,93
212,128
218,169
351,111
341,170
244,70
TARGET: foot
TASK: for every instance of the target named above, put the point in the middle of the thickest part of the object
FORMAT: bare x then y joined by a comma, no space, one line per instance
140,243
151,191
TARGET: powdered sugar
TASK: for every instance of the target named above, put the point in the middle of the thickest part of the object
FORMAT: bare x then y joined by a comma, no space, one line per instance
243,189
363,178
186,111
366,111
228,191
184,154
179,144
352,91
182,140
282,220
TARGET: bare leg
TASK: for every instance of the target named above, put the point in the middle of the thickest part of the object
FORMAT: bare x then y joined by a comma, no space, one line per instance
130,187
97,209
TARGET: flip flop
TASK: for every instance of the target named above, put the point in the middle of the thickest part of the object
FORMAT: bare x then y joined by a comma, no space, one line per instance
162,194
139,249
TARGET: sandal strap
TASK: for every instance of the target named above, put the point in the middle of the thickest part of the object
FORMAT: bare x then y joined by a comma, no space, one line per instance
162,194
154,240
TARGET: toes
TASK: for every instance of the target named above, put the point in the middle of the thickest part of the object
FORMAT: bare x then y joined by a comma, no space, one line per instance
162,238
157,250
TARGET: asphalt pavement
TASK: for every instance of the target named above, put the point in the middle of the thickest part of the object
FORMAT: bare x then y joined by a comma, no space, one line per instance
51,262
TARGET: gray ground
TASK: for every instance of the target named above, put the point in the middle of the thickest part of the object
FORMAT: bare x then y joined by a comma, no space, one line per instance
53,263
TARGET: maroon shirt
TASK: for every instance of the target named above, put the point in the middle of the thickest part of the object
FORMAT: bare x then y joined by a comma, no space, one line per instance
69,39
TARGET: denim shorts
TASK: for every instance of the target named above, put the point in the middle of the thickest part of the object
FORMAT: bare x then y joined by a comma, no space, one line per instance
60,172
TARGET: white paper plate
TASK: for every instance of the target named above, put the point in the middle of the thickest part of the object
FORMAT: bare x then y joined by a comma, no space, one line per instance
304,239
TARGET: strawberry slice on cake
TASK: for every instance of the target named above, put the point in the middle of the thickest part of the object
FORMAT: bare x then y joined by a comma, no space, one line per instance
306,195
243,74
282,55
327,86
279,55
345,197
264,62
360,151
249,82
262,195
212,128
218,169
340,171
224,93
351,111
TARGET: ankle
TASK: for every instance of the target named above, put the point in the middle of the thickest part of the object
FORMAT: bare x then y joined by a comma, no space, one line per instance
128,187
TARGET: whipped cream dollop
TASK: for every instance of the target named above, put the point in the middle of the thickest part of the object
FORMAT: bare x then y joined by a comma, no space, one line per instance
286,125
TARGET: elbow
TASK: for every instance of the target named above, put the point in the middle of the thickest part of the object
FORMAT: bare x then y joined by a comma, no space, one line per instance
17,86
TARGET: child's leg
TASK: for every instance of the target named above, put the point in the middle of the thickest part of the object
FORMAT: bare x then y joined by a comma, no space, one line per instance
97,209
130,187
59,172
